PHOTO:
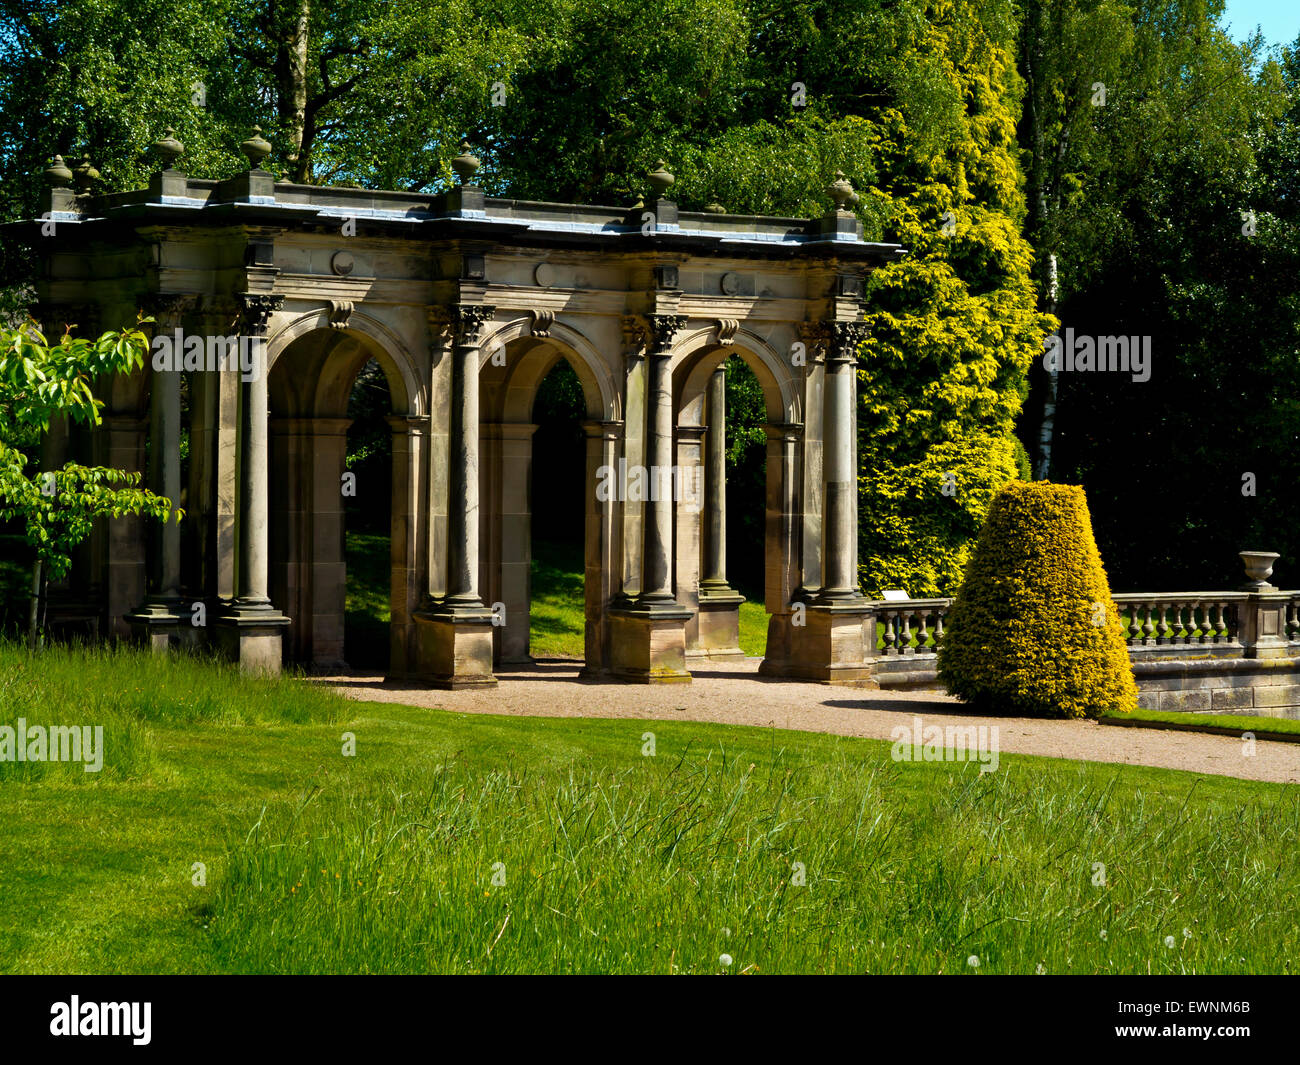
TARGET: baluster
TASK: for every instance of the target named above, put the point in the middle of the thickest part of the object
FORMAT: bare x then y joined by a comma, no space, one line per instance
1163,636
1221,624
923,636
1207,626
1181,631
905,641
938,628
1228,612
890,638
1147,628
1133,629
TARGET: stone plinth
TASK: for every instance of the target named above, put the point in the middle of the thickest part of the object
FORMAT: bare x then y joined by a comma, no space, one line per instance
453,649
648,645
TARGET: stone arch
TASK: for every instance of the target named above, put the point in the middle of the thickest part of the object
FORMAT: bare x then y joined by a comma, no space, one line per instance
313,365
410,394
603,392
698,353
506,427
700,534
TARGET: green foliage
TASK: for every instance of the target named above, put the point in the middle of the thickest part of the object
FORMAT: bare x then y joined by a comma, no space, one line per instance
1033,631
39,381
1200,130
952,328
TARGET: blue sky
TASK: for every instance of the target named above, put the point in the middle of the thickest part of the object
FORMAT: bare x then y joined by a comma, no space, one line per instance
1279,19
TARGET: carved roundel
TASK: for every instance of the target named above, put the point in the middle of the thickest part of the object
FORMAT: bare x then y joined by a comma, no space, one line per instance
342,263
730,284
544,275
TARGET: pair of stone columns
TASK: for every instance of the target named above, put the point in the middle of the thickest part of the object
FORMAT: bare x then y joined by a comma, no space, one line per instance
249,629
832,638
454,628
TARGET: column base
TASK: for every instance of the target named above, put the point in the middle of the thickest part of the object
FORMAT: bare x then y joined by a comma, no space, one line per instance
453,647
157,623
718,624
648,643
251,634
831,647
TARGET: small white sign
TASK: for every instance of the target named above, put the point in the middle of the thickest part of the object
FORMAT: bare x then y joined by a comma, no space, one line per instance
895,595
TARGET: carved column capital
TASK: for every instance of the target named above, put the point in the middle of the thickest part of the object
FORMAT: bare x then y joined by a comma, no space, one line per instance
816,337
469,321
167,308
846,338
257,309
635,336
664,329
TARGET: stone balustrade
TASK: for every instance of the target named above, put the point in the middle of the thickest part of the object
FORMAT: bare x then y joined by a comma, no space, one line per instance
1201,651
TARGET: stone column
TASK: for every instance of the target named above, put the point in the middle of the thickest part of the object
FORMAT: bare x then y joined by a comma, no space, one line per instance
827,639
251,631
454,635
783,578
657,567
463,516
840,516
715,483
633,450
409,581
719,603
648,635
158,620
601,577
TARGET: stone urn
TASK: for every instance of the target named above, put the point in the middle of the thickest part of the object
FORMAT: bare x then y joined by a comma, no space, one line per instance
1259,566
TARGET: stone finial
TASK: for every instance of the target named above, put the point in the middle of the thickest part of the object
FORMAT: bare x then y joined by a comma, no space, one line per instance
465,164
57,174
255,149
660,179
85,175
841,191
169,148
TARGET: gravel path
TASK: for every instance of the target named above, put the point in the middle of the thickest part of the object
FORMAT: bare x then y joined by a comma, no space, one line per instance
736,695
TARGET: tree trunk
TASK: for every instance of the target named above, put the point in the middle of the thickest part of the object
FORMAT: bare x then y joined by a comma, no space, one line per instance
1047,426
34,613
292,66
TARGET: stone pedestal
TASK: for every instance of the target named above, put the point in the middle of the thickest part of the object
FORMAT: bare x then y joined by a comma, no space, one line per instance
719,624
829,647
1263,623
648,644
158,623
454,648
253,636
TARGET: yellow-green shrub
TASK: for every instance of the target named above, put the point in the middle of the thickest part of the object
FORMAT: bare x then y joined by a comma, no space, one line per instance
1033,630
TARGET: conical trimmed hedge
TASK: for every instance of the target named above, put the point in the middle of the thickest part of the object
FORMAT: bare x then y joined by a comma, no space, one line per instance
1033,630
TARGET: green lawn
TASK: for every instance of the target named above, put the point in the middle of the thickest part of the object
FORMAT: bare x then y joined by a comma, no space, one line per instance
1235,722
605,859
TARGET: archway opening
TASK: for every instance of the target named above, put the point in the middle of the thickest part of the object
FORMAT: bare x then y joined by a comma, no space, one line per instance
557,625
746,492
367,521
336,495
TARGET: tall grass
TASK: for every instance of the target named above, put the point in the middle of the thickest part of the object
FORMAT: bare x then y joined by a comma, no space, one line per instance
853,864
127,690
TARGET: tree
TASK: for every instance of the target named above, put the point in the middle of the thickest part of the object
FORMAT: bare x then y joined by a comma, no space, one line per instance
40,381
1033,630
